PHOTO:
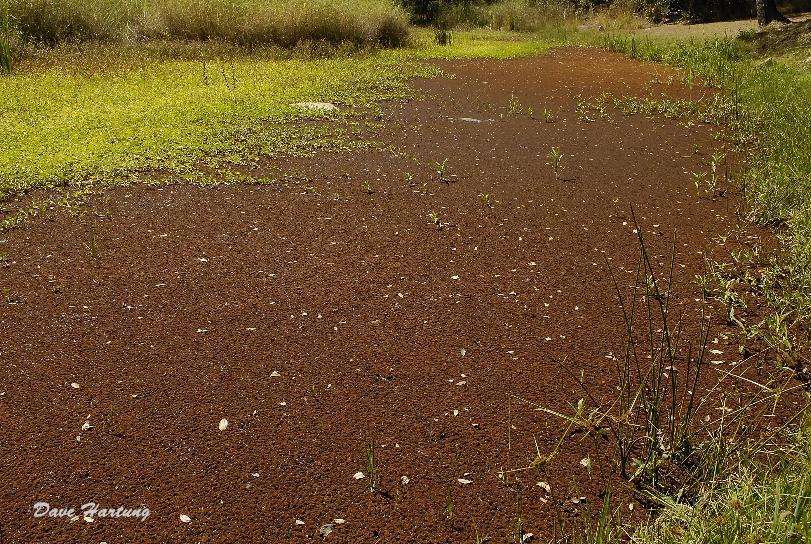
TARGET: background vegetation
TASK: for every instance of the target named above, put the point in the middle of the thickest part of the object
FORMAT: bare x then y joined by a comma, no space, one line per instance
281,22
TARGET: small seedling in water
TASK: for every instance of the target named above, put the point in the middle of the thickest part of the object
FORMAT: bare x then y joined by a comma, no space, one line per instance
434,219
548,116
449,503
441,168
370,466
367,187
486,200
514,107
555,159
409,178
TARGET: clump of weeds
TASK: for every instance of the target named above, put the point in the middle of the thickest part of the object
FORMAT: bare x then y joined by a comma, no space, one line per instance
590,110
515,107
707,183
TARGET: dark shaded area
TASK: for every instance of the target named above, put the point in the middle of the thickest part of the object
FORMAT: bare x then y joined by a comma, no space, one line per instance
431,11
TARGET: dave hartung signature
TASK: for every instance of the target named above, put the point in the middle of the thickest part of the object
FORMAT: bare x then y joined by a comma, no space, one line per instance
89,511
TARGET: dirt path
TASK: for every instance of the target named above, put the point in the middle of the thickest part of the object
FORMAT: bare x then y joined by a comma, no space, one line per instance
317,319
706,31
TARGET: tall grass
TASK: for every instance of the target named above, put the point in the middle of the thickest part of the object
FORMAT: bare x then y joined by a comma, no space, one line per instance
756,504
5,40
279,22
525,15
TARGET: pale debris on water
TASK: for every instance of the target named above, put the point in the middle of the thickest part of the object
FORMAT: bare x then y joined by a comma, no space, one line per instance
223,424
464,481
74,385
404,480
359,475
326,529
184,518
316,106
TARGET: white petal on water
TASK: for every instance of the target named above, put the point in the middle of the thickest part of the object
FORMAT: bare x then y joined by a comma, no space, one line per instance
275,374
545,486
326,529
223,424
299,522
184,518
75,385
339,521
404,480
359,475
464,481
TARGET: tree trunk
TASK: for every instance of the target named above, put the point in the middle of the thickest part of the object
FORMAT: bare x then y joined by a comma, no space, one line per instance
767,12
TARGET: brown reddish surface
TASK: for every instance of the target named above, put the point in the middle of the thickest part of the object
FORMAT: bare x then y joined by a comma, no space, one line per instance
170,308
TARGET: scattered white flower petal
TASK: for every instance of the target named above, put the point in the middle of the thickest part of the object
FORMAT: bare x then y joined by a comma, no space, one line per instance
464,481
359,475
223,424
404,480
74,385
184,518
